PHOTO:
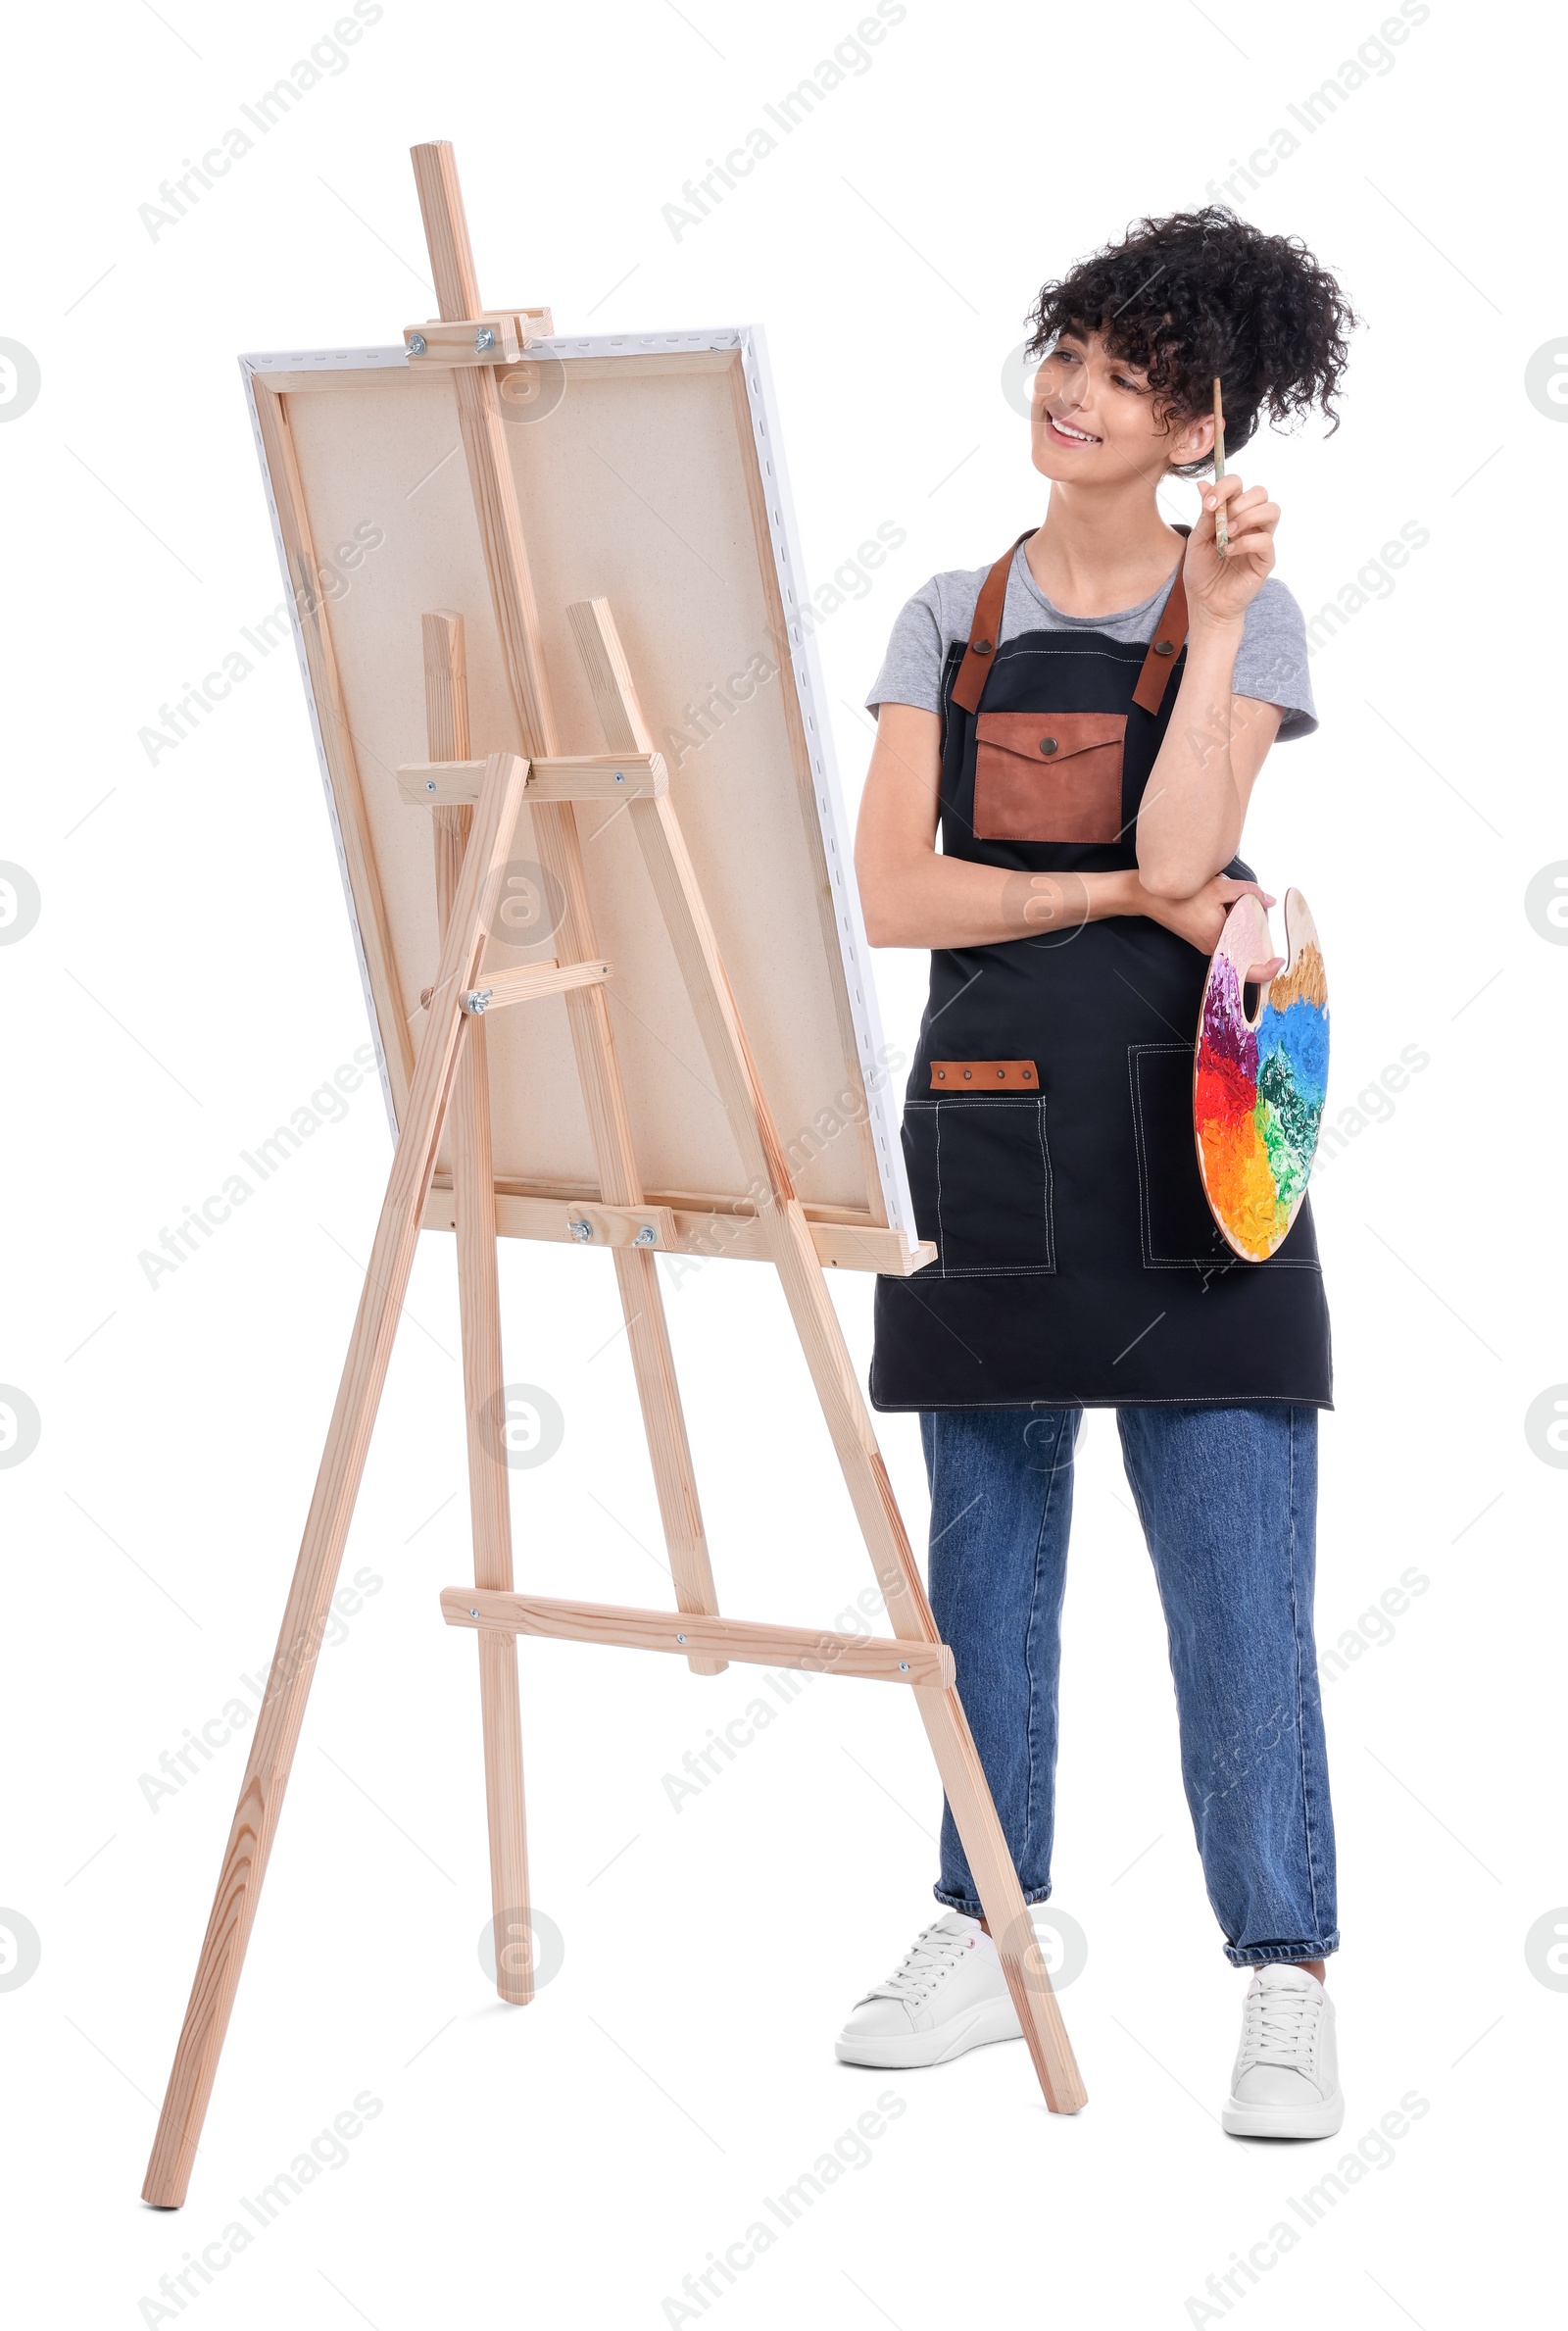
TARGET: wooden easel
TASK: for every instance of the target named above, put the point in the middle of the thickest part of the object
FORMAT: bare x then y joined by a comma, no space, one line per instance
475,810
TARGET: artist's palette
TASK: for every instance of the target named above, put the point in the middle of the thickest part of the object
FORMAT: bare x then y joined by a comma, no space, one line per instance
1260,1084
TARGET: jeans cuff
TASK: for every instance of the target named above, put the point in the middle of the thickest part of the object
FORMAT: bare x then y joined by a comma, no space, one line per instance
972,1908
1282,1954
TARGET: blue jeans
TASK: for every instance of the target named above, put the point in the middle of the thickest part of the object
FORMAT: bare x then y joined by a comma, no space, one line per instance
1228,1501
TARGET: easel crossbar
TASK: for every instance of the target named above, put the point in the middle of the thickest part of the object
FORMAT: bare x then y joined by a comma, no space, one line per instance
532,980
881,1659
524,984
556,777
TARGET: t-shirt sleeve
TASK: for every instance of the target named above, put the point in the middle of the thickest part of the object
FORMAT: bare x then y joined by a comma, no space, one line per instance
911,668
1271,661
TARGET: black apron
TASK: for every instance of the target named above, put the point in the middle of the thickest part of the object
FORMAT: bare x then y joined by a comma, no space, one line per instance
1047,1123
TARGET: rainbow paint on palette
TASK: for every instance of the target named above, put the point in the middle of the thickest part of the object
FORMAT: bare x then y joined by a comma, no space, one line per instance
1260,1086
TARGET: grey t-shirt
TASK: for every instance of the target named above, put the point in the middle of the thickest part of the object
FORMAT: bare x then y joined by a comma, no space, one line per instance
1270,662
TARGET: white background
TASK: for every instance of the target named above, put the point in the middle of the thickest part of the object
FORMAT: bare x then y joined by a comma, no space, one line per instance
190,981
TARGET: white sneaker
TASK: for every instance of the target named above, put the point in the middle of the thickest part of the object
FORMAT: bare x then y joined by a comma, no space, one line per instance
948,1994
1286,2082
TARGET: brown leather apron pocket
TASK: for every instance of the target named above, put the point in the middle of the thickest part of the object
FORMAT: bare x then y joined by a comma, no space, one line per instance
1049,776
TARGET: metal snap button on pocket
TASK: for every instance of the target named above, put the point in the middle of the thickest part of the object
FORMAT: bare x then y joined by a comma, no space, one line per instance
1048,744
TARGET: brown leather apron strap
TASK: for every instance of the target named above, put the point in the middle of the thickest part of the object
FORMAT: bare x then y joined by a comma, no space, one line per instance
1163,649
971,680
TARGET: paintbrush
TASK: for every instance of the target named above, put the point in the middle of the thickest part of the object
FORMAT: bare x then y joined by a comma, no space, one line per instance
1221,538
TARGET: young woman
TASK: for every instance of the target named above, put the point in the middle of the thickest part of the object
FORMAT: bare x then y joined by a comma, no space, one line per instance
1085,721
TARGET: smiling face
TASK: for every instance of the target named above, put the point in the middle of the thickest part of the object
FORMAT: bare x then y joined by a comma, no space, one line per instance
1091,418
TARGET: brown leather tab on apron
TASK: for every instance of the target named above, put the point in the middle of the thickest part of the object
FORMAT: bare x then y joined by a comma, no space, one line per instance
971,680
983,1077
1163,649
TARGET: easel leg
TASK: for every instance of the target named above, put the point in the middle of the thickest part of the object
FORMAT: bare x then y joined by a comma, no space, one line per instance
479,1302
642,1297
849,1422
957,1759
326,1530
501,1715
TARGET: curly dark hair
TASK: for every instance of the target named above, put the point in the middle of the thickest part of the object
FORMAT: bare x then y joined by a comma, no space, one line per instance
1204,292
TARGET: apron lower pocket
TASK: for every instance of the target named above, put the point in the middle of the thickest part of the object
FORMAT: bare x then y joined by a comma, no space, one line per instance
980,1177
1175,1223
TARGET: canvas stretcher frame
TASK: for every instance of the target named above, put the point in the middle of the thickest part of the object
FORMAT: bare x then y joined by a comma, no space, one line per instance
863,1218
